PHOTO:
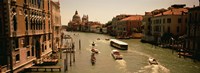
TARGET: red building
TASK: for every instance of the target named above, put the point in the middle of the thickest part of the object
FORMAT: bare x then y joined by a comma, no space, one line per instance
128,26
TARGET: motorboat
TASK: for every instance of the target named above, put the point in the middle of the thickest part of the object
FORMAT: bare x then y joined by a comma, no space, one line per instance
152,61
116,54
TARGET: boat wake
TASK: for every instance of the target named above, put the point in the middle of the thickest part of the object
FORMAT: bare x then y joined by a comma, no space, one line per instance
123,66
153,69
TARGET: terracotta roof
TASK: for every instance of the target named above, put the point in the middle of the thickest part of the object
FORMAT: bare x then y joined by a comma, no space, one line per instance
133,17
174,11
148,13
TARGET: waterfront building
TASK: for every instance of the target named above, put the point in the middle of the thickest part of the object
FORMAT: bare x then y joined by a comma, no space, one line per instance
94,26
25,33
171,21
128,26
113,27
193,30
146,22
56,25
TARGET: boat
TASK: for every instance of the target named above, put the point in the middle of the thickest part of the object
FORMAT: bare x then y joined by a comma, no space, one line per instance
93,59
107,39
116,54
152,61
119,44
95,50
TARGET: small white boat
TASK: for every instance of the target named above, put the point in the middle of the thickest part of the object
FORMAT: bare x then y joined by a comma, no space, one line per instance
152,61
116,54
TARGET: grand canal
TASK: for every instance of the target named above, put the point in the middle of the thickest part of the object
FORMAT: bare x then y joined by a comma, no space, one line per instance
135,59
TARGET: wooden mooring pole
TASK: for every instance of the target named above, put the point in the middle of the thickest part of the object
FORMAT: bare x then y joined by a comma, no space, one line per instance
79,44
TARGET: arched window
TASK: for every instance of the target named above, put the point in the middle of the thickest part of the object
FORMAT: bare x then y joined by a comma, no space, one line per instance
15,22
44,25
31,24
17,57
26,22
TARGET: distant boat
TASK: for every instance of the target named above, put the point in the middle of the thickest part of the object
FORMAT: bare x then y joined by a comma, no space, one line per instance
119,44
107,39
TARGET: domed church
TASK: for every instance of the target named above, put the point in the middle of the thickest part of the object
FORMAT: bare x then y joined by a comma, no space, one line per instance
76,18
77,24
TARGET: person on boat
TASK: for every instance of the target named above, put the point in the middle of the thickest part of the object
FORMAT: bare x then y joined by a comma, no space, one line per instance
94,51
93,44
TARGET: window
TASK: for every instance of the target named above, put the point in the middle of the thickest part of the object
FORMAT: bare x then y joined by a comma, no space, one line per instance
28,53
157,29
42,47
37,25
149,19
177,29
32,51
169,20
168,29
25,1
160,21
16,40
44,38
195,17
190,18
179,20
39,2
17,58
49,46
15,23
45,47
26,22
49,36
31,24
26,41
163,21
186,20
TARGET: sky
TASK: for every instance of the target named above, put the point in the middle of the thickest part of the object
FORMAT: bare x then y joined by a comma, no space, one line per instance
104,10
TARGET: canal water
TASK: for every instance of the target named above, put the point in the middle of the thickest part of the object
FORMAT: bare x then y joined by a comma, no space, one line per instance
135,59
